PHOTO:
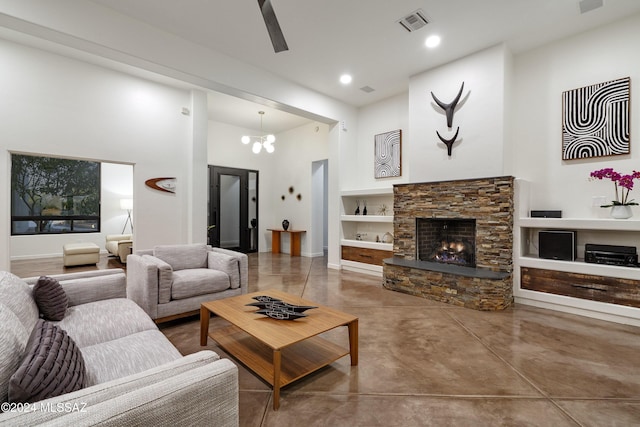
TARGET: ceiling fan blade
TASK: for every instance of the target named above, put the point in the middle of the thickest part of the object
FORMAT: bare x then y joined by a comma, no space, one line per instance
273,27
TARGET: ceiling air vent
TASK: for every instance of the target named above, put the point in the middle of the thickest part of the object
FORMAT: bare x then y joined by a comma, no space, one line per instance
414,21
367,89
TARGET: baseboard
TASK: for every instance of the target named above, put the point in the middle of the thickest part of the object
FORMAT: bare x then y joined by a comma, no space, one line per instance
41,256
37,256
359,267
333,266
580,311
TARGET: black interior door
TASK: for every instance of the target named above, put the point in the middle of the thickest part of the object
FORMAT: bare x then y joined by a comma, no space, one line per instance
233,208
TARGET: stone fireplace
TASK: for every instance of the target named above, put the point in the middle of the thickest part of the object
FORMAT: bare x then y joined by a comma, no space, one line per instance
453,242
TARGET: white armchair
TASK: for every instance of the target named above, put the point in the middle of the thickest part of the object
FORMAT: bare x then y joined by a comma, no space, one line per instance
172,281
119,245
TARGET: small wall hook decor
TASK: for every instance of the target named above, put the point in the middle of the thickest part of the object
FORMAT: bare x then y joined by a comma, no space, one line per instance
450,108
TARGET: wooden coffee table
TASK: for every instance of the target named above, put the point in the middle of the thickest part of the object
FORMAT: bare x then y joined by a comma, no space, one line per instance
279,351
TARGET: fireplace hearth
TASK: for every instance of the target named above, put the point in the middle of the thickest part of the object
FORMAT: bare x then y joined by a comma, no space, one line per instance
454,242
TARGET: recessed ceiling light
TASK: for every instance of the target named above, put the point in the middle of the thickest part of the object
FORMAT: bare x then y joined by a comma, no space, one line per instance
432,41
345,79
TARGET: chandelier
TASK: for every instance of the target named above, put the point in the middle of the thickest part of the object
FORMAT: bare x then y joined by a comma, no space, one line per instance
259,142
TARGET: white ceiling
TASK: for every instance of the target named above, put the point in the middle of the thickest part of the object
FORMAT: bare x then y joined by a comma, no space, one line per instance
239,112
362,37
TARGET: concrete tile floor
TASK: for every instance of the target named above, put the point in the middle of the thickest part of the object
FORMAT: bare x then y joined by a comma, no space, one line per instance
424,363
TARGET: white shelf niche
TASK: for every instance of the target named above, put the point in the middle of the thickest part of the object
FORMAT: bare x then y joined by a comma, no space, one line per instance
620,232
369,226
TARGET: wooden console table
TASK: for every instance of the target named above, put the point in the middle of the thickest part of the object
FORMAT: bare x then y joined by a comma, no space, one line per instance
295,240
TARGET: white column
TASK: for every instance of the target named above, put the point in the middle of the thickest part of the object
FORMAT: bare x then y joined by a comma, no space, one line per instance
197,170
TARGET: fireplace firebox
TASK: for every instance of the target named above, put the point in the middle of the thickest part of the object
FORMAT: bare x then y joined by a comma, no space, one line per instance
446,241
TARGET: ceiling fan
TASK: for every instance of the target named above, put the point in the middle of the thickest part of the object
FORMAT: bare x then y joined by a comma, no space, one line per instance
270,20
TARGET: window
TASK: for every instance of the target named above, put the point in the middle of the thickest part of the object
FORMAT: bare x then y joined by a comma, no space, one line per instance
53,195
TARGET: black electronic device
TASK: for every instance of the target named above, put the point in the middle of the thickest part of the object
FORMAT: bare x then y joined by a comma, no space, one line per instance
545,214
611,255
557,244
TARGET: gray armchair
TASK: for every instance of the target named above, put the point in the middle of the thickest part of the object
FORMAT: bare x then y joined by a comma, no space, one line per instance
171,281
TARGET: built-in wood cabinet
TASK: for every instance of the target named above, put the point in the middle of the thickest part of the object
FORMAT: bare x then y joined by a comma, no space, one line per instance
613,290
366,239
364,255
608,292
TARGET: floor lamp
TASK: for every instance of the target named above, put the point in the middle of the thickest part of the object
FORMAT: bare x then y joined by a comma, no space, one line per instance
127,205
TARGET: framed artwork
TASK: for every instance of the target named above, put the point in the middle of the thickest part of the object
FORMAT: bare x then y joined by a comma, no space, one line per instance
595,120
387,154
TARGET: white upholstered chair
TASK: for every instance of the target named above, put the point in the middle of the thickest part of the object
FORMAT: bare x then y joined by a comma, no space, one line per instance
119,245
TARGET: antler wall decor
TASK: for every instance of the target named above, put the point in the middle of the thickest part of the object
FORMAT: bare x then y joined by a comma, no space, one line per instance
449,142
449,110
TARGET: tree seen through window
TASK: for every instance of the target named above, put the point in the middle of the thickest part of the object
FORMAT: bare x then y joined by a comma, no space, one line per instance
54,195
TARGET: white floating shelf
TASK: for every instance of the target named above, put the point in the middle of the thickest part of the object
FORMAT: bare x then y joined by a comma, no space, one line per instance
368,192
581,223
366,218
367,245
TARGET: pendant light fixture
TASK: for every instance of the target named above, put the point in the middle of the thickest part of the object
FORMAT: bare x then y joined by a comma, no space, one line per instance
259,142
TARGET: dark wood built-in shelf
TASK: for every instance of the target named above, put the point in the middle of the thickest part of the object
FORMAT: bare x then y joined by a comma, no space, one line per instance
586,286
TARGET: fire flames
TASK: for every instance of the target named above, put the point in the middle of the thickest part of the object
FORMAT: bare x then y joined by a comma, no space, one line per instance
454,252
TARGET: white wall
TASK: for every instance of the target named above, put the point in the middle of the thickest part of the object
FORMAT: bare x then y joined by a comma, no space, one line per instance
54,105
225,149
541,76
319,207
289,166
195,163
384,116
511,121
296,150
149,49
117,184
478,150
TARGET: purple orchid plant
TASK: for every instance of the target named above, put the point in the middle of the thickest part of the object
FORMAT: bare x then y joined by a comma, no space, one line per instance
623,185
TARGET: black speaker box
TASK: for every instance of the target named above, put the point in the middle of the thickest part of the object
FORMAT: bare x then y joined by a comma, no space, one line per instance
546,214
557,244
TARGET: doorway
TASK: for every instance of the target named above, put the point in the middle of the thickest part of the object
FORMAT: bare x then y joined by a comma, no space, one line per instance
319,207
233,208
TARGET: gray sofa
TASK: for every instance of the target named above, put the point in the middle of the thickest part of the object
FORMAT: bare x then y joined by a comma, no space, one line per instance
172,281
134,375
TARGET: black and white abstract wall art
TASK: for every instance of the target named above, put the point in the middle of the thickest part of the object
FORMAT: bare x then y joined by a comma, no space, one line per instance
387,153
595,120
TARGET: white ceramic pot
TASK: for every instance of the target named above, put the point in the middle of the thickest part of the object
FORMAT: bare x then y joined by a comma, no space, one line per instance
621,212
